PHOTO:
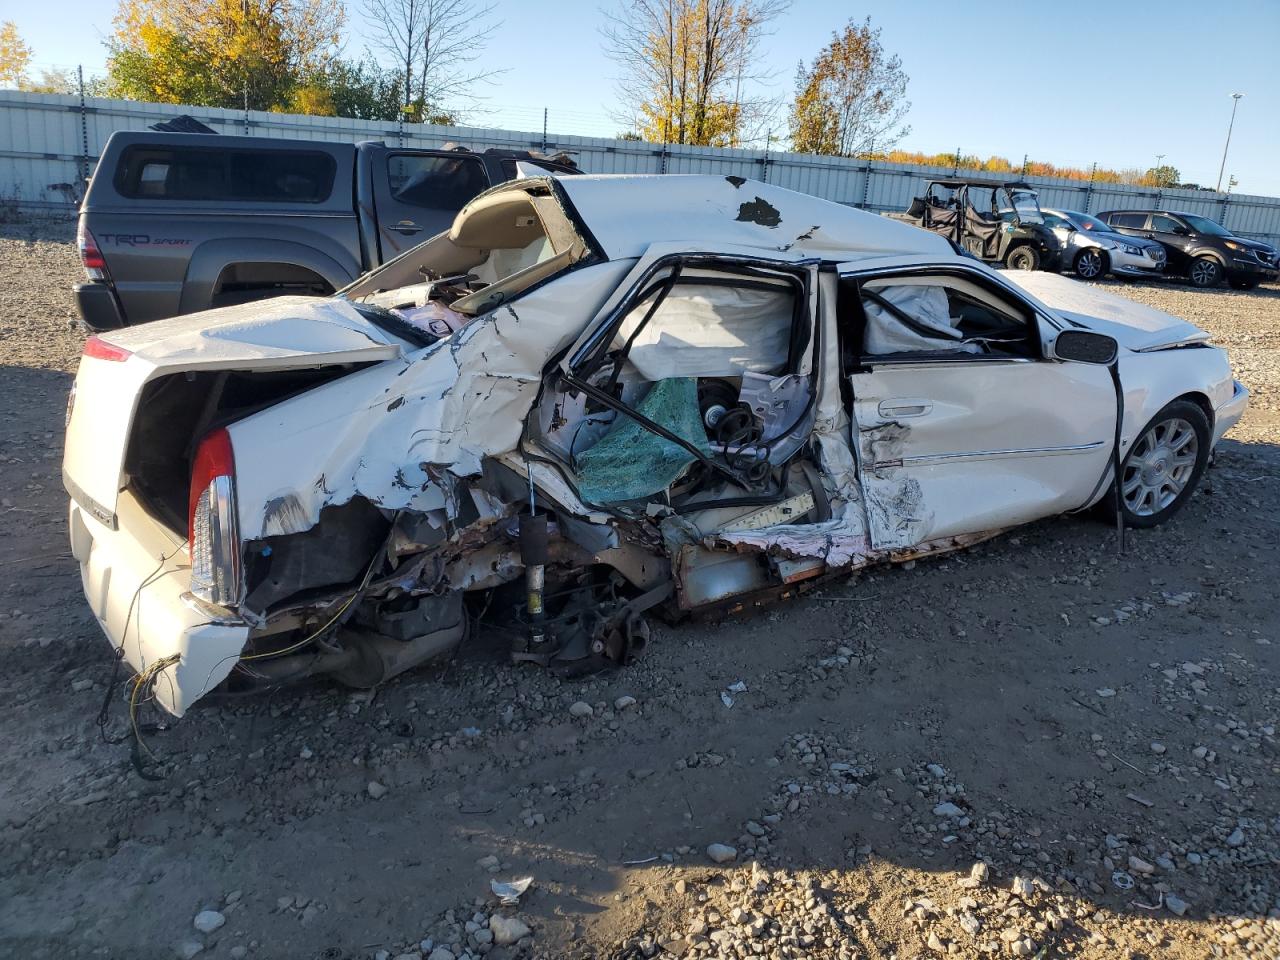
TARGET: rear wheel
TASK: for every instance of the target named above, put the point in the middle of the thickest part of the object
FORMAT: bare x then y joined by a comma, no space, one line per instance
1091,264
1022,258
1164,467
1243,284
1205,272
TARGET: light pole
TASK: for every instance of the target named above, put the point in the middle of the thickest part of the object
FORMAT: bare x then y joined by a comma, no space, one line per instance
1235,102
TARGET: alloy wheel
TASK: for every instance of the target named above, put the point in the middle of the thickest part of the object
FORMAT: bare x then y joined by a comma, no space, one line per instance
1089,264
1160,466
1204,273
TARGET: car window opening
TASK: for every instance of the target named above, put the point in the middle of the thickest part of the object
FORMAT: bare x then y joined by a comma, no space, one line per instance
699,399
934,316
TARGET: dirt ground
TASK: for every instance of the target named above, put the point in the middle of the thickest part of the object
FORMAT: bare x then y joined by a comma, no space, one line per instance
1032,748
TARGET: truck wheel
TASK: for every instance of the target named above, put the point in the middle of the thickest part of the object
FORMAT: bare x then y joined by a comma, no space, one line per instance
1091,264
1022,258
1243,284
1205,273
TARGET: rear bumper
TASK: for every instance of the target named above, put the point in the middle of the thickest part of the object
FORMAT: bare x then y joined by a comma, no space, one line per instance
98,306
135,578
1229,413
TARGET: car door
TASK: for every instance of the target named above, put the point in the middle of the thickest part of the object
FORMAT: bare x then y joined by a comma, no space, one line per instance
417,193
960,424
1175,237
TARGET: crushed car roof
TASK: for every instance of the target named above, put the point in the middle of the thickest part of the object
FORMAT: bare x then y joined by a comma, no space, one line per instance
626,213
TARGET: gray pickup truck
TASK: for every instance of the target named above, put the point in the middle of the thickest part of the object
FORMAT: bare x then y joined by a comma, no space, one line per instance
174,223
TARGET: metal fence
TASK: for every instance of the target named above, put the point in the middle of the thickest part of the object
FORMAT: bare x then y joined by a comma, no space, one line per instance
49,144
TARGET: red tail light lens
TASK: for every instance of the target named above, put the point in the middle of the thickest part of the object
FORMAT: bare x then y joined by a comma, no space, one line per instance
95,266
100,349
212,532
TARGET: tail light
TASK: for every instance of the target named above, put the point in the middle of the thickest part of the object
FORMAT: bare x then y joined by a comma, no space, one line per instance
212,535
101,349
95,266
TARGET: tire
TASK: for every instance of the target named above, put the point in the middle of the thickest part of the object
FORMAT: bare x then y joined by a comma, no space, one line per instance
1205,273
1091,263
1243,284
1023,258
1156,487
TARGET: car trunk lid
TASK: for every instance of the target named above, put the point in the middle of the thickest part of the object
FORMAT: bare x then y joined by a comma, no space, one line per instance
288,333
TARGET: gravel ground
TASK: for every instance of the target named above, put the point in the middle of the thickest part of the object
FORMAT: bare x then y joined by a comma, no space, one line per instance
1031,748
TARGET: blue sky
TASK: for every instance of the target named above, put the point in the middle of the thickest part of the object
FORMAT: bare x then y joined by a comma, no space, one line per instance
1114,83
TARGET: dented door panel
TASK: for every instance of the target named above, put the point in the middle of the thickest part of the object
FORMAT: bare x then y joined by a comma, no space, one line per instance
983,444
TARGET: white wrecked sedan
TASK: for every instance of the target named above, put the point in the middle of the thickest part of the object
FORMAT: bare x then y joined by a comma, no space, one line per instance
593,400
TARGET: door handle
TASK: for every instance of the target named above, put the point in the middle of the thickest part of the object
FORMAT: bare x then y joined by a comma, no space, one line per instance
407,227
905,407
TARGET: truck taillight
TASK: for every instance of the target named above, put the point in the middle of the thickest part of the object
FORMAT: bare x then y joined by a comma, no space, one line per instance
95,267
212,535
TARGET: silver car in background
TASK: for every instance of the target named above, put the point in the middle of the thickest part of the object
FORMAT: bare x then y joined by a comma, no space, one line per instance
1091,249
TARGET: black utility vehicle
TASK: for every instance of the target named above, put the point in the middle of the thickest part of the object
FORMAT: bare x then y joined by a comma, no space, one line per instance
996,222
1199,249
175,222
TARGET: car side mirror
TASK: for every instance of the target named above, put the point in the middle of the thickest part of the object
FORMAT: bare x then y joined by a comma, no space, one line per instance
1181,231
1085,346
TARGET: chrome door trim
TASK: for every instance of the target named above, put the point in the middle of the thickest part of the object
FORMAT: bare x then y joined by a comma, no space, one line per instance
932,458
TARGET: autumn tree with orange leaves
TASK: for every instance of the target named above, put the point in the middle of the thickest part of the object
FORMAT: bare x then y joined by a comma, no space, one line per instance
851,98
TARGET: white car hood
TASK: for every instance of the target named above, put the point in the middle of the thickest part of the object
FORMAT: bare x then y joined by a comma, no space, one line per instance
1135,326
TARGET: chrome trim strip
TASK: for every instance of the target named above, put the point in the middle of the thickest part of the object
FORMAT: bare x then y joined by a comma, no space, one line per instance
87,503
871,362
989,455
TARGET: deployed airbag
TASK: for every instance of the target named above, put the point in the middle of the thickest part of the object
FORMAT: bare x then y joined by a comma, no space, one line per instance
709,330
932,328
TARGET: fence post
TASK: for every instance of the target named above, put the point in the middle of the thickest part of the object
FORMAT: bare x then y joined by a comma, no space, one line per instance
544,129
1088,194
83,166
866,184
764,169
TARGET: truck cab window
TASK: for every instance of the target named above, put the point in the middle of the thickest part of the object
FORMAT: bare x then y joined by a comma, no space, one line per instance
443,182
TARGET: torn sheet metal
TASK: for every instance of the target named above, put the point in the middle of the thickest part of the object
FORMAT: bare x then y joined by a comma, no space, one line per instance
441,408
841,541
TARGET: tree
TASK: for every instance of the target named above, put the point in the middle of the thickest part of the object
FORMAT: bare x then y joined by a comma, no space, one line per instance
52,80
1161,176
15,56
360,89
852,98
221,53
684,65
433,44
